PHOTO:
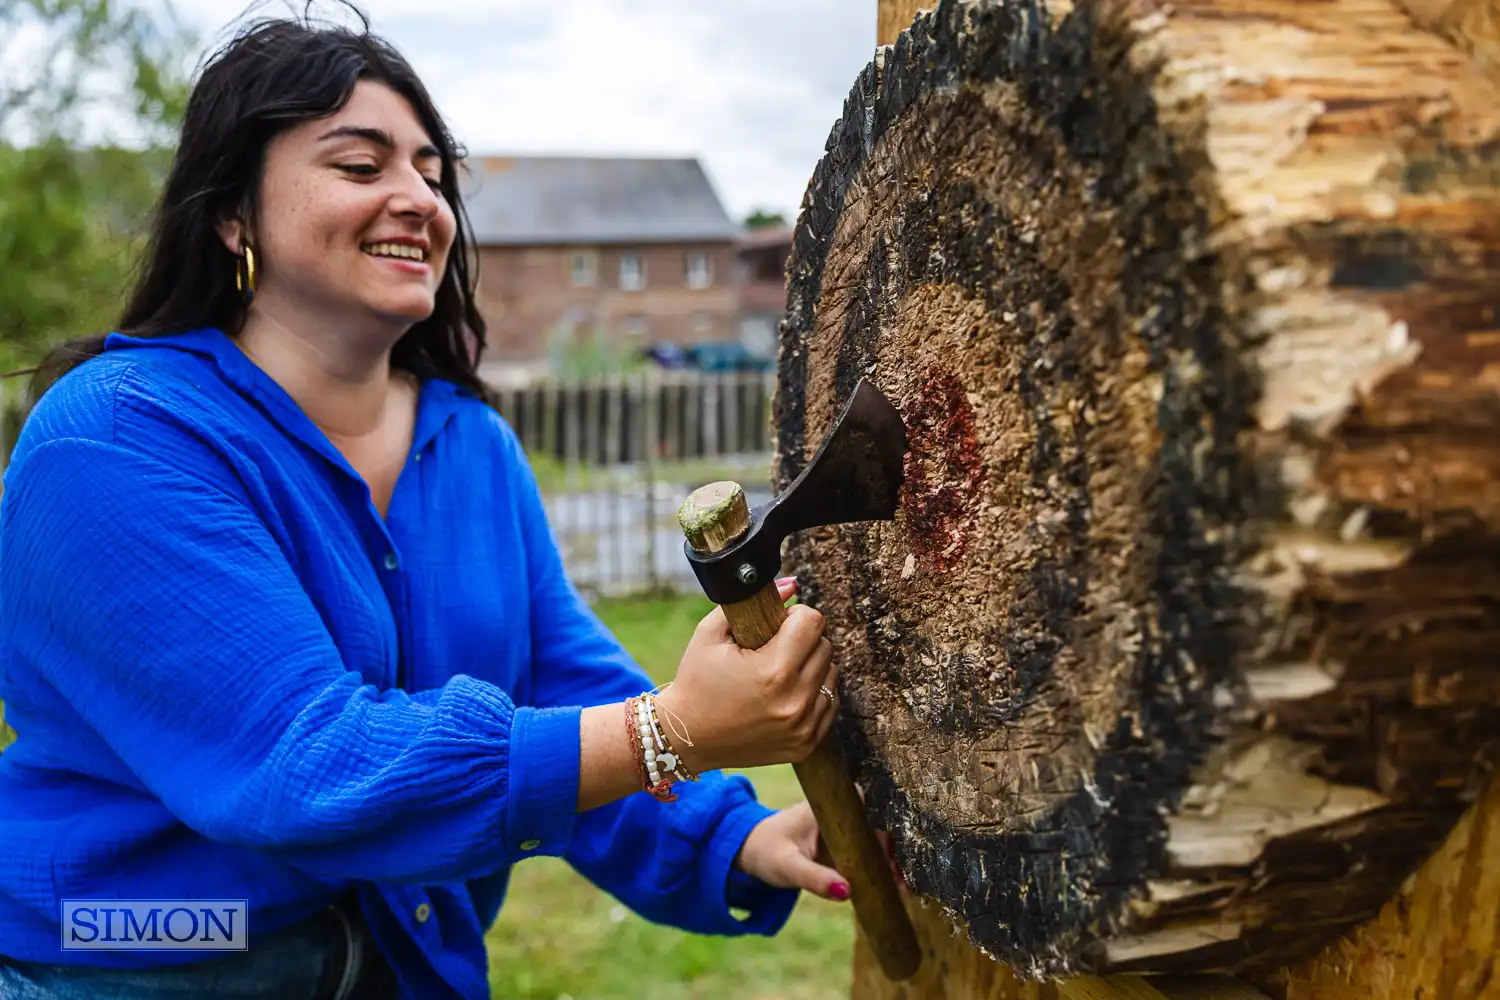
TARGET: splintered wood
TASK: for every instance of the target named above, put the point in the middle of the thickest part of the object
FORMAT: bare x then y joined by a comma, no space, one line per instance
1179,657
1472,25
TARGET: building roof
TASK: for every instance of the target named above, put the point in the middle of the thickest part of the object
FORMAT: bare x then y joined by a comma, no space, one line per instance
530,200
771,236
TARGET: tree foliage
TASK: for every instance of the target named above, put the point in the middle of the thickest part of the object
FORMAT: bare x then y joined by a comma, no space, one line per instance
762,219
91,97
91,93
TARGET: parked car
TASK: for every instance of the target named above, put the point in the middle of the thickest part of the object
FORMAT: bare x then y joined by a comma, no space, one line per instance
708,356
666,356
726,356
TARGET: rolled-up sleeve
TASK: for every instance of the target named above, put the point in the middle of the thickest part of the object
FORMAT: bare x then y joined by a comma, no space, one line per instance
544,750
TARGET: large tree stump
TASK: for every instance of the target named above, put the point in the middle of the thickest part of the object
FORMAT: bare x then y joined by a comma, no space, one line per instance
1181,655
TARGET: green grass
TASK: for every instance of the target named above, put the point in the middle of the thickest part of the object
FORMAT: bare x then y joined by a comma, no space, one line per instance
558,936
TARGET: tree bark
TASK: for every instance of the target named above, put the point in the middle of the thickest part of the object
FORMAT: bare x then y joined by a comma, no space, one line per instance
1179,657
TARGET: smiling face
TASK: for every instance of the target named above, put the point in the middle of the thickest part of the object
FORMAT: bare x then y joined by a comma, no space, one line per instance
351,224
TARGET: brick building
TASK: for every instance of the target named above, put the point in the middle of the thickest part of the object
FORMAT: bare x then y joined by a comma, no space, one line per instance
576,250
762,256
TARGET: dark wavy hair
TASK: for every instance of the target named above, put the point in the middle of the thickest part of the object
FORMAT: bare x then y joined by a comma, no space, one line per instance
272,75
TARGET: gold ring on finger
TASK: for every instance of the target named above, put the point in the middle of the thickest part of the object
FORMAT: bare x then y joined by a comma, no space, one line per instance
832,700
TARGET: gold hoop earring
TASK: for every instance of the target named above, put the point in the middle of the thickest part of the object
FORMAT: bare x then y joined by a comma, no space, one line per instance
245,283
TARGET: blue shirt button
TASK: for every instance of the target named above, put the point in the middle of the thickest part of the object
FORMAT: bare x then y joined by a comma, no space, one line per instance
530,845
390,560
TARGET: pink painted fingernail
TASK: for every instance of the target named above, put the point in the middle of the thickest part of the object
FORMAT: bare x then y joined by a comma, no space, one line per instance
839,890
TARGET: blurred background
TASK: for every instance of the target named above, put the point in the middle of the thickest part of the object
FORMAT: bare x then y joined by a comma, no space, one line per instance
634,169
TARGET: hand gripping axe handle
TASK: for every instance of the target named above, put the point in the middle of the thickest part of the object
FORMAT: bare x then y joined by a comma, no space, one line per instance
735,552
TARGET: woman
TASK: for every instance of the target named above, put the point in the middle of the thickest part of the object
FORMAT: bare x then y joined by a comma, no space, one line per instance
282,619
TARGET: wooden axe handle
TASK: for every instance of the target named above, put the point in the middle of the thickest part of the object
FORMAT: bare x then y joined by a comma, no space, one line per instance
714,518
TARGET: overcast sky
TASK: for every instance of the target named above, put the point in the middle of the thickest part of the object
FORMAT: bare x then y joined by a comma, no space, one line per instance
751,87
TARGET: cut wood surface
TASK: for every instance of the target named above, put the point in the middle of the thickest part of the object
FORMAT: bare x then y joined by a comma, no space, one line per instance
1438,937
1472,25
1179,657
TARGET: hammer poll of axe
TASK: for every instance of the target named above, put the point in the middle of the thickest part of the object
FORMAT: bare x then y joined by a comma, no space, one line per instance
856,475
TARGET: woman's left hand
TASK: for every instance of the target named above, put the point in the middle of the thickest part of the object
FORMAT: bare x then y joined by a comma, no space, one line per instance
782,851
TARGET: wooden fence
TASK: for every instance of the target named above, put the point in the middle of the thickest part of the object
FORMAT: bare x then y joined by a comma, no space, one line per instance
618,419
616,455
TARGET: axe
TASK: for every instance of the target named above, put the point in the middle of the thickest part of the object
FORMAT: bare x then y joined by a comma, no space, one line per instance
736,553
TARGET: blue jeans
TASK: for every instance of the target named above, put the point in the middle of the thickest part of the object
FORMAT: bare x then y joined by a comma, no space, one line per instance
330,957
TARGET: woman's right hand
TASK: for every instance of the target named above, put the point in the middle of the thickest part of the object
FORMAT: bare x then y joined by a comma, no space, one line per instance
749,708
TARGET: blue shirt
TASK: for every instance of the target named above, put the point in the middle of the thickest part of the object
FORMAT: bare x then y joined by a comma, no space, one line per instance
233,679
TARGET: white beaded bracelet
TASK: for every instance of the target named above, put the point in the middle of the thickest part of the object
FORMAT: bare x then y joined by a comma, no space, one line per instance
648,751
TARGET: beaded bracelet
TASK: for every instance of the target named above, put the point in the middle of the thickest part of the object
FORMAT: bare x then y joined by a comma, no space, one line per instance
638,718
672,719
666,755
631,738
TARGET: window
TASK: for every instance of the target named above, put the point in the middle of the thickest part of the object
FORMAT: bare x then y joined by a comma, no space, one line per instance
632,272
699,272
702,322
584,266
636,326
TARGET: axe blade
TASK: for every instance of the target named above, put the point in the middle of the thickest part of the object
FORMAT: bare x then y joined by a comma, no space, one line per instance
856,474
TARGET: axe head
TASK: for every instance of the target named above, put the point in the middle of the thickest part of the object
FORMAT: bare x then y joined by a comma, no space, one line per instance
856,475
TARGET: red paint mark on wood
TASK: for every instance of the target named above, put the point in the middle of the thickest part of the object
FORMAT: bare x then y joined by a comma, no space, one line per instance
943,469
